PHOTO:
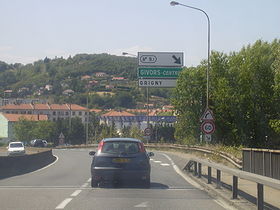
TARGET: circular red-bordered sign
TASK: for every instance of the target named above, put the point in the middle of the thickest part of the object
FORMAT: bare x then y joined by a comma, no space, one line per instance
208,127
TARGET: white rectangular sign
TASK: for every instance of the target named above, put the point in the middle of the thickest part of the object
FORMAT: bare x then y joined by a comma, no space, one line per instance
173,59
157,82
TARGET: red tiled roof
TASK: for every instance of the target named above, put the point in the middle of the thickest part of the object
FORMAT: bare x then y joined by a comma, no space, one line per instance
74,107
41,106
59,107
95,110
118,114
17,106
32,117
77,107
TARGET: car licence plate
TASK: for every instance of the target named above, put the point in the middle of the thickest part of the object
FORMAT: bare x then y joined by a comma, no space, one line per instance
121,160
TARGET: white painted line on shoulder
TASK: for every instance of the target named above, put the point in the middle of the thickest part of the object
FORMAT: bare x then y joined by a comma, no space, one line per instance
77,192
63,203
85,185
165,164
142,205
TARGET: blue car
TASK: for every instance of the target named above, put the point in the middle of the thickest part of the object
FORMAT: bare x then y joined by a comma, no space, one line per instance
119,160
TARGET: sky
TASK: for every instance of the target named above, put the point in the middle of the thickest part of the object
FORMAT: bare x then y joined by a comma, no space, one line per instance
34,29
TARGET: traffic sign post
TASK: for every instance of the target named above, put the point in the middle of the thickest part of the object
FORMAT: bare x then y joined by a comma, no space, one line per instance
157,82
207,115
208,127
148,131
158,72
160,59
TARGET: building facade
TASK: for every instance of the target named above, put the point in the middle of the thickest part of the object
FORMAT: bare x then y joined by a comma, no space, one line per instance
52,111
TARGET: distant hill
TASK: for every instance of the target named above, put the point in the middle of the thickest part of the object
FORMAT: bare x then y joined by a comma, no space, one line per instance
50,71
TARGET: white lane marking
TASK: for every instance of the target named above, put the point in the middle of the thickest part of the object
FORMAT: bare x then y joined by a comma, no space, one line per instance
45,166
142,205
89,180
157,161
63,203
151,159
178,171
77,192
85,185
165,164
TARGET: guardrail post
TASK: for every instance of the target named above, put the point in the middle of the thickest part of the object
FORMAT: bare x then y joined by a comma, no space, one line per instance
218,179
260,197
195,169
199,170
209,175
234,187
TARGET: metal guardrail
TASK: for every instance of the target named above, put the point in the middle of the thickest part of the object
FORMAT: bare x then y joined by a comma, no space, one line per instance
260,180
262,161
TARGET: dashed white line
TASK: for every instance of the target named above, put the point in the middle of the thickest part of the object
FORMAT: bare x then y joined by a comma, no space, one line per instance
157,161
89,180
165,164
63,203
77,192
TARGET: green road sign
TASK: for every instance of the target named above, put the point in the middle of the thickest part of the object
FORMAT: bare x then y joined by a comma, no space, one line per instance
161,72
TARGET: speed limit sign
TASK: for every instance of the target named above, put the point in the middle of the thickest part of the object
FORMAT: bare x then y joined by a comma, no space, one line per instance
208,127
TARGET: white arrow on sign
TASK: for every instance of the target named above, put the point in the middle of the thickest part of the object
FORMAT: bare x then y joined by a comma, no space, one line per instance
207,115
173,59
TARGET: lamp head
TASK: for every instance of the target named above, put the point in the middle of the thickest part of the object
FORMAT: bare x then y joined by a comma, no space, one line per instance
174,3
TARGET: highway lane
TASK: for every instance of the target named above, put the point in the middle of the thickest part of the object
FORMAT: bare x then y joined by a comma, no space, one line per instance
66,185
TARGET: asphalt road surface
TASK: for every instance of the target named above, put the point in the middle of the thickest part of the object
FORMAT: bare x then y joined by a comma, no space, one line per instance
66,185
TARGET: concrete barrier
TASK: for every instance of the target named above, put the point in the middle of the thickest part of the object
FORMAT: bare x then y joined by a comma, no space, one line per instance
17,165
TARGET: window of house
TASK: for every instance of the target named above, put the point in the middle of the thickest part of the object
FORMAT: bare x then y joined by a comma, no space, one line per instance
28,112
73,113
80,113
66,113
54,113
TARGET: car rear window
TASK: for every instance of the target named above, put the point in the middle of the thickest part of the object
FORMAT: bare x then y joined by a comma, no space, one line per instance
117,147
16,145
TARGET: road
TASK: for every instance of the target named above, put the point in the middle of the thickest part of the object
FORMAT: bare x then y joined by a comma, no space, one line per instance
66,185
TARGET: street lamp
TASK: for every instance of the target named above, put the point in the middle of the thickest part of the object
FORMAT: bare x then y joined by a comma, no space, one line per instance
174,3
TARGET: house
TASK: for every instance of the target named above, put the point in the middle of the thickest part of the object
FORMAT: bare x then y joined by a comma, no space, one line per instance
101,74
7,122
53,111
118,78
49,87
68,92
86,77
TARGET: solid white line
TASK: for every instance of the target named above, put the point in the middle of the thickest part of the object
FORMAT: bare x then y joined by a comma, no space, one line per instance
178,171
63,203
77,192
45,166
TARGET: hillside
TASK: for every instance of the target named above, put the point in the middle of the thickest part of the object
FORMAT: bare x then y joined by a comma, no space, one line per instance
63,80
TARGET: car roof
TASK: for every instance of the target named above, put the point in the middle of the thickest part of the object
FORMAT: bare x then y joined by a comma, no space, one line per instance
122,139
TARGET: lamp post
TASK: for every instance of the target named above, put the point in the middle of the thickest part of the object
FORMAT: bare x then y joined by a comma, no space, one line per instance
174,3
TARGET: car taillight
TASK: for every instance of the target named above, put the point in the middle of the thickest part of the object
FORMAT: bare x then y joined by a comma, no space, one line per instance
100,145
141,147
